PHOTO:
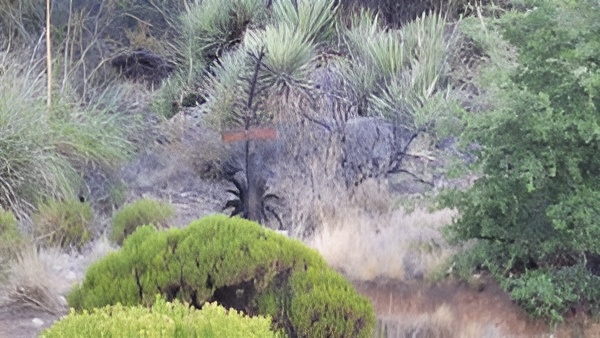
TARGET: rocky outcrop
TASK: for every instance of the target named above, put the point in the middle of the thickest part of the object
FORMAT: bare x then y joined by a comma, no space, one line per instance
368,148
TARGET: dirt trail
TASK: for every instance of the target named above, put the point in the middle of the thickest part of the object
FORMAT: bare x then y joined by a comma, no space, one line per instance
17,321
455,309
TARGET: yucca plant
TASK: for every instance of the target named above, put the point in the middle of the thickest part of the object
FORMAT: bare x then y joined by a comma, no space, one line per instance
222,87
384,53
375,63
211,26
251,200
315,19
289,54
427,45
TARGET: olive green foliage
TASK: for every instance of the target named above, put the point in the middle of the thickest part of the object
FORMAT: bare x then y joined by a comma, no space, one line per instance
63,223
164,319
10,236
534,212
142,212
236,263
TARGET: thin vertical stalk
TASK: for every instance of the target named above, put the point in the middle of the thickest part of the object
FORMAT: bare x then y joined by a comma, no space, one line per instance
48,55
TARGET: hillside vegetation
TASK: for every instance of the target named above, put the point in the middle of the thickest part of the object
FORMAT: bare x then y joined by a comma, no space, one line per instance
327,120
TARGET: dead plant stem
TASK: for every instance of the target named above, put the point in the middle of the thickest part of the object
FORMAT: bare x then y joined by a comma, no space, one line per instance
48,55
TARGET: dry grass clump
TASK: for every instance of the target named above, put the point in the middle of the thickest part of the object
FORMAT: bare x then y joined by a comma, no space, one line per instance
63,223
440,323
33,281
11,238
200,147
396,245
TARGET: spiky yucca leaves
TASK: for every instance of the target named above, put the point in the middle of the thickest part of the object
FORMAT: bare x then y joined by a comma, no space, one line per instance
400,73
419,95
211,26
313,18
375,63
225,90
381,50
251,200
288,59
289,54
427,45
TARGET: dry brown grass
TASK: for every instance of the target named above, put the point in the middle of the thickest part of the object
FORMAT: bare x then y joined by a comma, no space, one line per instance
395,245
197,145
440,323
33,281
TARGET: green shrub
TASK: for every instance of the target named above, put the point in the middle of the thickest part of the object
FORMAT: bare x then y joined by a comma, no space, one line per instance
142,212
547,293
164,319
10,236
63,223
534,211
236,263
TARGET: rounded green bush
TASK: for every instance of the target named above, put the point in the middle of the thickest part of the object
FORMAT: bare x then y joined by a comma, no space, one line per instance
238,264
64,223
142,212
163,319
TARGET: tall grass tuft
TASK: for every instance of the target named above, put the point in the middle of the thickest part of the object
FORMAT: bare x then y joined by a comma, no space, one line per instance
42,148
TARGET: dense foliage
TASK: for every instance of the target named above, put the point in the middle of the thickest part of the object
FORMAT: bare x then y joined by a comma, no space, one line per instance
163,319
534,212
236,263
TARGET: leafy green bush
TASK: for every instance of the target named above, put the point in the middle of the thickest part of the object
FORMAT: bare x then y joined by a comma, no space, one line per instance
236,263
534,212
163,319
142,212
63,223
547,293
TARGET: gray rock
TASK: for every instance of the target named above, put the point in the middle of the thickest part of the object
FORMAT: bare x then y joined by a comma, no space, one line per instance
368,148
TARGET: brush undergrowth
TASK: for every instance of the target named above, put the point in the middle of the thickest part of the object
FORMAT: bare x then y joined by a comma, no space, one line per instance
163,319
236,263
63,223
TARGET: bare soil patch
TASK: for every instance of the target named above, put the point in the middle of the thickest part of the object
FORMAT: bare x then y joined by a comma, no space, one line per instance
20,321
456,309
